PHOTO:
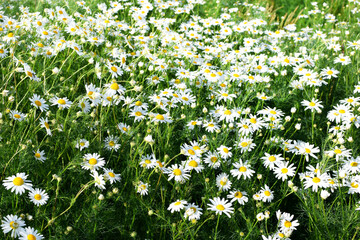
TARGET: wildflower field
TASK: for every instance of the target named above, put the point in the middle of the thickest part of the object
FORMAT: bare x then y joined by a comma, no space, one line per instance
182,119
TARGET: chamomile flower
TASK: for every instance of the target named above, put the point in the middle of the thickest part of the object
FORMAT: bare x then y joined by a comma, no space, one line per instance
192,211
212,160
111,143
147,161
266,194
239,196
177,206
17,116
109,175
84,104
45,124
283,170
242,169
30,233
17,183
124,128
61,102
317,181
40,155
38,196
313,105
14,224
82,143
193,164
178,173
98,179
113,88
142,188
224,151
220,206
271,160
39,103
223,182
93,161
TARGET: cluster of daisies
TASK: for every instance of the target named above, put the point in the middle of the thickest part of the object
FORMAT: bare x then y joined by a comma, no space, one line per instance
14,225
215,76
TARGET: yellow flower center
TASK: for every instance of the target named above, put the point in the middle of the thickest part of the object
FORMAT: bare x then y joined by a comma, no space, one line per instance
18,181
220,207
160,117
37,103
242,169
37,197
341,111
238,195
337,151
14,225
61,101
311,104
111,174
193,163
46,125
177,203
114,69
177,172
272,159
354,164
37,155
138,114
114,86
17,116
287,224
92,161
226,150
192,152
227,112
31,237
253,120
244,144
111,143
284,170
10,35
354,185
267,193
316,180
213,159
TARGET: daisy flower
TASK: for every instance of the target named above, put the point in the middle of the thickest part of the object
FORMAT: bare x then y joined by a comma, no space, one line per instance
38,196
124,128
114,70
16,115
111,143
40,155
224,151
344,60
242,169
142,188
44,123
328,73
109,175
223,182
30,233
61,102
98,179
82,143
93,161
193,164
283,170
177,206
17,183
339,153
192,212
308,150
271,160
178,173
113,88
317,181
84,104
220,206
39,103
239,196
314,105
147,161
212,160
246,145
266,194
14,224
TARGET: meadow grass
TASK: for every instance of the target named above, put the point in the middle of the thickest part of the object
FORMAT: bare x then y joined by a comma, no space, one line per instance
179,120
